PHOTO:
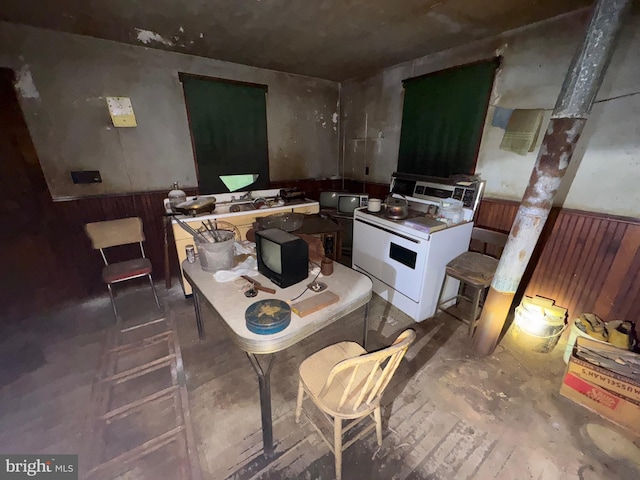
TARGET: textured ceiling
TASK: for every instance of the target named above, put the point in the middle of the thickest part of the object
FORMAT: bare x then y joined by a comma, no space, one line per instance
332,39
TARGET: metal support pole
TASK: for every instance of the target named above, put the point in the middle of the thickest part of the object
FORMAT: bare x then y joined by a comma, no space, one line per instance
569,116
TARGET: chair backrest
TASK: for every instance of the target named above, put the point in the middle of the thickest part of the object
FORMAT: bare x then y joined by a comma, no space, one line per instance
492,242
115,232
365,377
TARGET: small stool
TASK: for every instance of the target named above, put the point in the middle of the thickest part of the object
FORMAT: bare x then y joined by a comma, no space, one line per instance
475,271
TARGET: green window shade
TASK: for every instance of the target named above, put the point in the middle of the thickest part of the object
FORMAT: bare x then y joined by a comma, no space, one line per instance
442,120
228,124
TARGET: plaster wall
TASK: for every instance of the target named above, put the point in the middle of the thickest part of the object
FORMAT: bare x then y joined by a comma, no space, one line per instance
603,175
63,80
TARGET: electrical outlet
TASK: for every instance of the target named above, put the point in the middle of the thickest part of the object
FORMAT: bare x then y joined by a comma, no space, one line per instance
86,176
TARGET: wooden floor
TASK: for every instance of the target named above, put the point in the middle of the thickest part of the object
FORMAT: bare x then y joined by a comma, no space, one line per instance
447,414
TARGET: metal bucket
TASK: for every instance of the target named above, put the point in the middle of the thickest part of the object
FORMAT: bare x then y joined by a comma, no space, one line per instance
218,255
543,338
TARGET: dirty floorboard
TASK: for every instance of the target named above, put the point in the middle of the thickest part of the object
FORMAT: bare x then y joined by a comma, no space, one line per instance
447,414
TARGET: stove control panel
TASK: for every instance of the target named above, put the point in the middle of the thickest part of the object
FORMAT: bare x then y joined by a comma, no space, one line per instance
437,189
466,195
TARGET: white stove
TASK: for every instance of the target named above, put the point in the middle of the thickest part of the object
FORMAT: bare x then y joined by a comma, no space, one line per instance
406,258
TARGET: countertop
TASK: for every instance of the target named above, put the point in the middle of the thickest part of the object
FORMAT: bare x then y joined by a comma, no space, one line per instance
217,216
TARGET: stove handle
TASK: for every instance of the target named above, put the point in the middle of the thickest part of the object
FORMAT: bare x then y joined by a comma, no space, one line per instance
414,240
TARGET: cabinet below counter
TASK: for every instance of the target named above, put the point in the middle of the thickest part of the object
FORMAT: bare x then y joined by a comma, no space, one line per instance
242,220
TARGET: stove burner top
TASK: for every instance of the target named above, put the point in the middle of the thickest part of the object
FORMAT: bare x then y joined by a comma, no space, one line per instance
413,213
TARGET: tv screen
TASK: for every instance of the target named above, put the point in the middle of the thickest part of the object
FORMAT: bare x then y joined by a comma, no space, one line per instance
329,199
282,257
272,255
347,203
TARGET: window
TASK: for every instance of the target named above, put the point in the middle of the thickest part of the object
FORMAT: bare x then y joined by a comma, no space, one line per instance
442,120
228,122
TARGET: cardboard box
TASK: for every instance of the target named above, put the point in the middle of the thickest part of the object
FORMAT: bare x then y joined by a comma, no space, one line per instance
609,374
612,395
601,377
618,409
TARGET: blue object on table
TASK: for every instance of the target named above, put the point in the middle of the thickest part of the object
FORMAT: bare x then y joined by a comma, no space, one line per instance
265,317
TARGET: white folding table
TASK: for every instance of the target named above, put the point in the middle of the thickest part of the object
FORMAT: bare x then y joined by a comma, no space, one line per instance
228,300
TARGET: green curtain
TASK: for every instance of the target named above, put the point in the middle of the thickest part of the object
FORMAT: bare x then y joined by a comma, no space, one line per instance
442,120
228,124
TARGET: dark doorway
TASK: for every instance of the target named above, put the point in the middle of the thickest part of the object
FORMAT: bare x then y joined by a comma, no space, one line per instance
31,273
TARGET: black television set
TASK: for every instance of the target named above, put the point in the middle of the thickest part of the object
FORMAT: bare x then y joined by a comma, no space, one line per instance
282,257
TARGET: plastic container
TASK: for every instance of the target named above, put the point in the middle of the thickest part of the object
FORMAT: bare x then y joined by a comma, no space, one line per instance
451,211
219,255
577,330
374,205
574,332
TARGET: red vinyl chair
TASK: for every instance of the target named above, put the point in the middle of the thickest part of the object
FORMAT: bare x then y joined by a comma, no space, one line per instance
112,233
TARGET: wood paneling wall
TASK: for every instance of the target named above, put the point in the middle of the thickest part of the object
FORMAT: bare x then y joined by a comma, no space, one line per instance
586,262
73,215
77,272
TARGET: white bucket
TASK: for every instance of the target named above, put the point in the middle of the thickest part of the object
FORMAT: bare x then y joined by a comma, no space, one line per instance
374,205
574,333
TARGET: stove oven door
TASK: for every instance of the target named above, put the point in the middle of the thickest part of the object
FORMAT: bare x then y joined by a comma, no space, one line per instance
394,258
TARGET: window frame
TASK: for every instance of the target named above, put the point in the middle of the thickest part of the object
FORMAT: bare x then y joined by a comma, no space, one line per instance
185,75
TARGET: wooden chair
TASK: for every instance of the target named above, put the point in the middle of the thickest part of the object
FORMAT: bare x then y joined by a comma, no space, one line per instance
346,383
474,270
112,233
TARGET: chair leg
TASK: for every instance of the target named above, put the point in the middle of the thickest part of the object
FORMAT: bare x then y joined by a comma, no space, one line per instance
474,311
113,302
300,398
153,289
460,294
337,446
378,417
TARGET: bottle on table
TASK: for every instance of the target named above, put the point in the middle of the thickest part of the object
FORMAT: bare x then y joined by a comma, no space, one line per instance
176,196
